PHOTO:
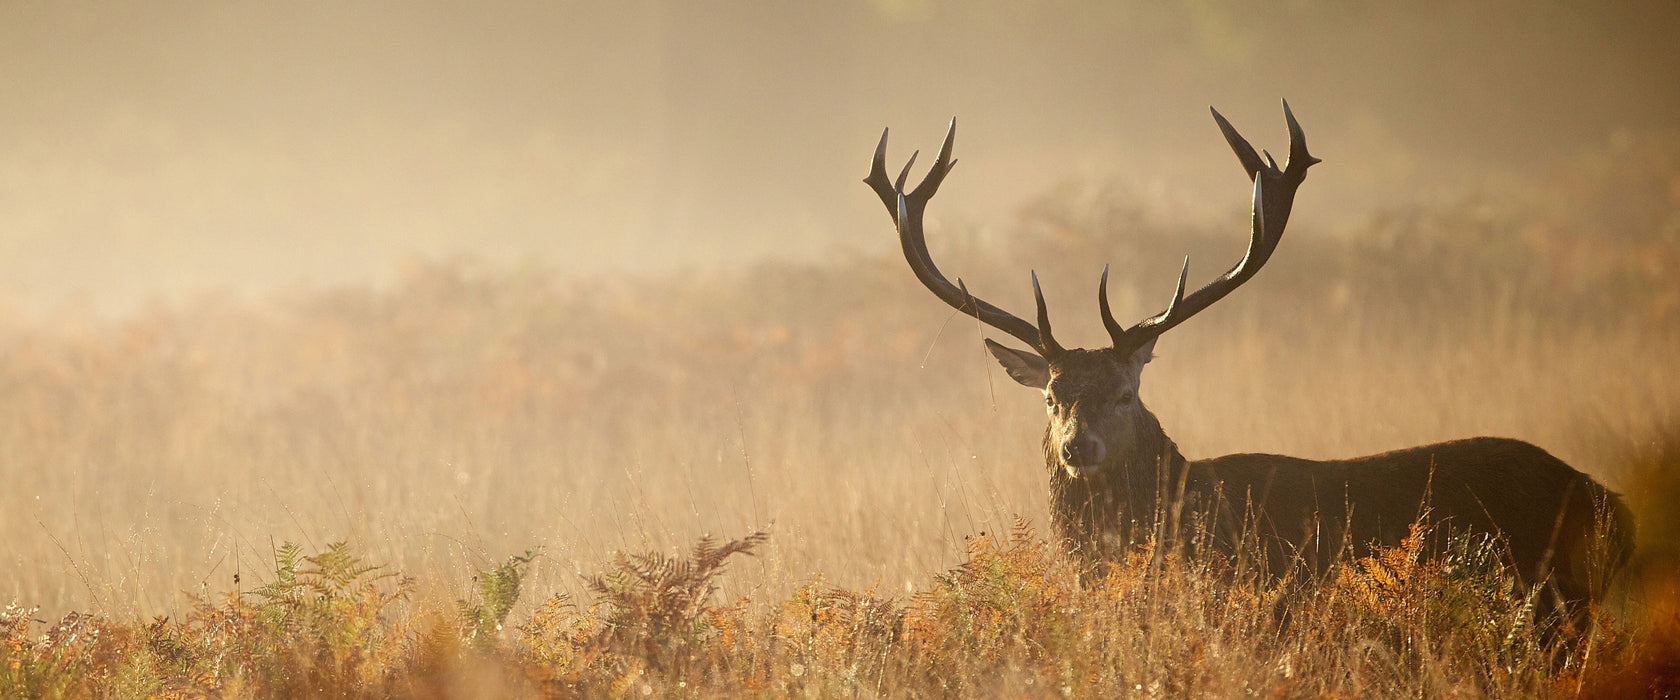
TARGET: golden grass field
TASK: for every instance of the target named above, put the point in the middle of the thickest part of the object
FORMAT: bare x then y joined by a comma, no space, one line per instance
472,413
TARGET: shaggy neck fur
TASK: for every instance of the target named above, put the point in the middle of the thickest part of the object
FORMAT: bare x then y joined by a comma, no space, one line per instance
1106,513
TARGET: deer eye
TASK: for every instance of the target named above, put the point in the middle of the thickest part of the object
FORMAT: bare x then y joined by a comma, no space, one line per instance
1049,401
1125,397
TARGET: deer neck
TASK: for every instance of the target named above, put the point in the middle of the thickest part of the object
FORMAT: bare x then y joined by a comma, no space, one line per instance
1120,500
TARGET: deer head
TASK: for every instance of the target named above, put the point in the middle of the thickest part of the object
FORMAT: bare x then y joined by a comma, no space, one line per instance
1096,422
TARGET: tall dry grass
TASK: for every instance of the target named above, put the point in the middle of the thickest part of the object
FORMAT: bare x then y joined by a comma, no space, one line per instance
472,413
1017,618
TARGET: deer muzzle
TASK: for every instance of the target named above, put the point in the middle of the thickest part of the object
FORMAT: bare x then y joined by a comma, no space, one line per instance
1083,454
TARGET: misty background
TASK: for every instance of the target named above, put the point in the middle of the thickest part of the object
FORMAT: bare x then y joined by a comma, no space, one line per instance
172,150
455,280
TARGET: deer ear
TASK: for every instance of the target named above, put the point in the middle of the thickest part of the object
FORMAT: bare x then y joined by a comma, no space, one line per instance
1142,355
1025,367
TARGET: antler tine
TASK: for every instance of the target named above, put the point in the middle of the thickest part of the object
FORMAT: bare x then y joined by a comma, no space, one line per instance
898,185
1047,343
907,209
942,165
1274,194
1261,242
1245,153
1115,330
1297,145
1178,294
878,181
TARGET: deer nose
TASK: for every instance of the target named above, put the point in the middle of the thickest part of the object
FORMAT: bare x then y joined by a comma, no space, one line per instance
1082,450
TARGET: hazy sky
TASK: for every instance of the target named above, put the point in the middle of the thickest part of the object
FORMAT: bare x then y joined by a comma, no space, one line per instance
181,148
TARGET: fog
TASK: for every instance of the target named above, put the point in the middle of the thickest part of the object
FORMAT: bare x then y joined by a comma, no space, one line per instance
173,150
456,280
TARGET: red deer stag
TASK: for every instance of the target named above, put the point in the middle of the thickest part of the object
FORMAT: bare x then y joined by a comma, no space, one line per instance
1110,462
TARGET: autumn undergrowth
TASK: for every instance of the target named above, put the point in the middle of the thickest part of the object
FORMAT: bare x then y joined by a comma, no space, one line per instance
1017,618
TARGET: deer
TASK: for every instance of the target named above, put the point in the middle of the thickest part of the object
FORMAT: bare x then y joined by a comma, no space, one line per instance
1116,478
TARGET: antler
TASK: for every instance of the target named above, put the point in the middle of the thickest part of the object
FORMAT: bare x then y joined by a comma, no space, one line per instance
1274,194
906,210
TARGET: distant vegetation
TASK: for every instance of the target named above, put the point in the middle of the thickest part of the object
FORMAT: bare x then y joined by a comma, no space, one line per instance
410,440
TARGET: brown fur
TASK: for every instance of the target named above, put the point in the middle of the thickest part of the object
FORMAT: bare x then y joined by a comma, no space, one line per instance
1305,515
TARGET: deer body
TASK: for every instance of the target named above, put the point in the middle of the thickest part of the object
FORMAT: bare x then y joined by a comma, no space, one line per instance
1307,513
1116,478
